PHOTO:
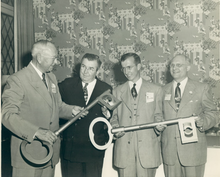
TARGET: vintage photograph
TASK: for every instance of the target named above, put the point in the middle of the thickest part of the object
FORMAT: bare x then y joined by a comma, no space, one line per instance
110,88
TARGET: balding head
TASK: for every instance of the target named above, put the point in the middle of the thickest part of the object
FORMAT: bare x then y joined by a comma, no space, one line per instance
179,67
43,47
44,55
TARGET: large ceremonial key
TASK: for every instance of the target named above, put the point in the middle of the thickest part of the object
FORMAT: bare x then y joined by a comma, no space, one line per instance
105,99
186,126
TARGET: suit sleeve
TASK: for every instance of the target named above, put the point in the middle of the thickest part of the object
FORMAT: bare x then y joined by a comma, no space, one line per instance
158,115
114,119
13,97
210,113
65,110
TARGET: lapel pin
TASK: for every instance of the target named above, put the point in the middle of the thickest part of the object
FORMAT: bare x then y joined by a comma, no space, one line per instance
53,88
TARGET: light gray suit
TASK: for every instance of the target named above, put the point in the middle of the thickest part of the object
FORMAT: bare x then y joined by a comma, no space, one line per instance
28,105
148,110
196,99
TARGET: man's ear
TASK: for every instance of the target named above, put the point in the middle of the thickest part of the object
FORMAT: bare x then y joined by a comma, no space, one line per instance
139,66
188,67
39,58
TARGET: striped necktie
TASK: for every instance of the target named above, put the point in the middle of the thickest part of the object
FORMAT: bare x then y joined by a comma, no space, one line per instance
44,79
177,96
85,91
134,91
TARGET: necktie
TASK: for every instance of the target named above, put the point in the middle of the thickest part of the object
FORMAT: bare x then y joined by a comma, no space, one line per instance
85,91
134,91
177,96
43,79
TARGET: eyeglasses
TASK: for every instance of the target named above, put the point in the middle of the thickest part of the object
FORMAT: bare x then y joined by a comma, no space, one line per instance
50,57
178,65
89,69
128,68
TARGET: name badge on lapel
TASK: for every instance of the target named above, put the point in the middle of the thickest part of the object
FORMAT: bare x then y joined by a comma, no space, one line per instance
167,97
149,97
53,88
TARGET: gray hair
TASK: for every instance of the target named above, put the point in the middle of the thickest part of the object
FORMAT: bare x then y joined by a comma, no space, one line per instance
42,46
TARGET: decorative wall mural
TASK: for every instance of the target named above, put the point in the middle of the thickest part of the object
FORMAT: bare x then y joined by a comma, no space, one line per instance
154,29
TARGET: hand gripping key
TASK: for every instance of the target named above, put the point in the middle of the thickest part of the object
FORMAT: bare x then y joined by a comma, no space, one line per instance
105,99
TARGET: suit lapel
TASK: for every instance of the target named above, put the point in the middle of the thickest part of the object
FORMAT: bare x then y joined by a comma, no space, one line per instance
95,93
142,94
39,86
126,96
169,91
188,94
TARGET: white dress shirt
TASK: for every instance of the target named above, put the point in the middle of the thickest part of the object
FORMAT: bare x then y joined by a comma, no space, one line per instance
138,84
90,88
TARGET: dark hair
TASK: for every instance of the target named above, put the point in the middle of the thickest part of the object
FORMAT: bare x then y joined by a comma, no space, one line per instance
134,55
92,57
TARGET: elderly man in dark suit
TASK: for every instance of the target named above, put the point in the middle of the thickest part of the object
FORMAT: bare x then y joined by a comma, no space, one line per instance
31,109
80,157
183,98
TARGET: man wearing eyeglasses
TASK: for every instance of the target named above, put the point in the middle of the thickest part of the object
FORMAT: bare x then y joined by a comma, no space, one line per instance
137,153
185,98
31,109
79,157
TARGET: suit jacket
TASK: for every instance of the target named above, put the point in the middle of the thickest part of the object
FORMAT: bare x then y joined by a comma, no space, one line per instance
196,99
28,105
149,110
77,146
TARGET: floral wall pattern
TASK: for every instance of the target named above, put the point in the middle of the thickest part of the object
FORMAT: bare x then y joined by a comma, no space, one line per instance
154,29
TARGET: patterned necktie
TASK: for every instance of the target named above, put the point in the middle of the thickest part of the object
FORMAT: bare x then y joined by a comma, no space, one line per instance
134,91
43,79
85,91
177,96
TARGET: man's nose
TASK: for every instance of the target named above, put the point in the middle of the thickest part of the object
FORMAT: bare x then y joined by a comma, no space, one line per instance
55,61
174,67
126,70
86,70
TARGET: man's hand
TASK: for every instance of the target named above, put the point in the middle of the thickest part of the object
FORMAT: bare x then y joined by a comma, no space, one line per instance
199,123
46,135
77,109
160,127
119,134
106,112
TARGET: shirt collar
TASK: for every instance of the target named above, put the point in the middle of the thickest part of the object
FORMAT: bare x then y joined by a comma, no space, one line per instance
37,70
182,84
92,84
90,88
138,84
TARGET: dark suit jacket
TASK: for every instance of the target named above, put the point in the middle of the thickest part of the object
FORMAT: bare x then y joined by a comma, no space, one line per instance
28,105
76,143
196,99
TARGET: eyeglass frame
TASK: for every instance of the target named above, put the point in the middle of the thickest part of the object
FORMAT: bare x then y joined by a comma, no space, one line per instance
55,58
90,69
178,65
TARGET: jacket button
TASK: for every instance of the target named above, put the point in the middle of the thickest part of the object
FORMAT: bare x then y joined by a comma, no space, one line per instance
128,142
